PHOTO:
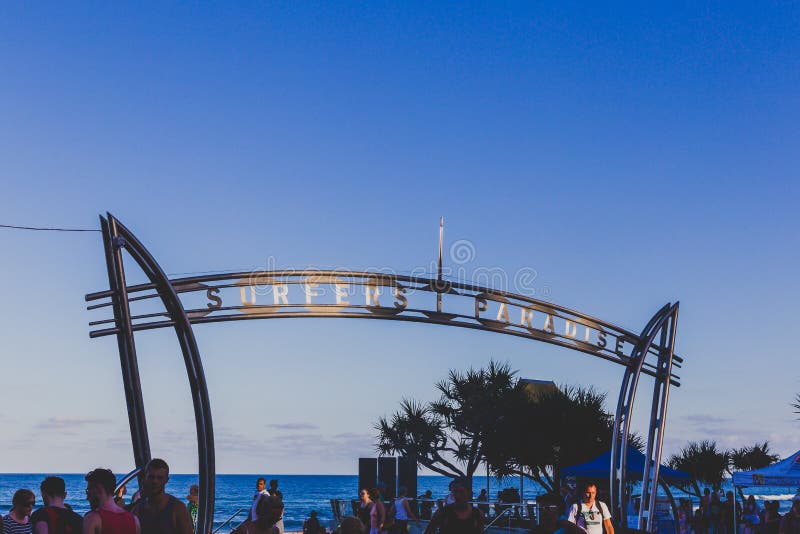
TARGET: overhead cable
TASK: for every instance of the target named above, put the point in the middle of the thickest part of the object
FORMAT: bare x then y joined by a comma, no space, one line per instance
46,229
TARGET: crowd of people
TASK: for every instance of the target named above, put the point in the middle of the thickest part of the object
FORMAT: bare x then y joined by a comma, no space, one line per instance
152,510
717,515
266,511
457,515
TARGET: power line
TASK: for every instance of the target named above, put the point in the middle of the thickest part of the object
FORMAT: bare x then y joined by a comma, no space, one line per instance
44,229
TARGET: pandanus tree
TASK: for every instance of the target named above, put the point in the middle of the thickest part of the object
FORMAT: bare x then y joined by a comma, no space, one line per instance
489,415
705,463
708,465
447,436
538,435
755,457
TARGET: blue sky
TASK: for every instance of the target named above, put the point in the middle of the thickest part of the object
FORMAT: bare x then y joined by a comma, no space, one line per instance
630,154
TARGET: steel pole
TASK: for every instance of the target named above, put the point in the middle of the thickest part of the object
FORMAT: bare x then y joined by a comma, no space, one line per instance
126,344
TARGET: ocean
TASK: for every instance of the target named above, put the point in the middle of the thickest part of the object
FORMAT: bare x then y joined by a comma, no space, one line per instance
301,493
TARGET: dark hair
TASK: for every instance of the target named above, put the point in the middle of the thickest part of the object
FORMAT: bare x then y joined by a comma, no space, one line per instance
373,493
102,477
351,525
53,486
264,509
460,481
589,485
402,490
261,479
273,482
21,496
156,463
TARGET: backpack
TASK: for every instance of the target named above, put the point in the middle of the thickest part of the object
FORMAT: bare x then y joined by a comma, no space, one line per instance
581,521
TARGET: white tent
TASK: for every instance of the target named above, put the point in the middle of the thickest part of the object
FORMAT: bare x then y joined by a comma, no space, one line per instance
784,473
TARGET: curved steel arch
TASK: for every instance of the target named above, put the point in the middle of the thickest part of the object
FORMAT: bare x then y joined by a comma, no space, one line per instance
485,309
663,323
115,238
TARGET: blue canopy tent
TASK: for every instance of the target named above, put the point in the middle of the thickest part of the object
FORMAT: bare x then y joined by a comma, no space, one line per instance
783,473
598,469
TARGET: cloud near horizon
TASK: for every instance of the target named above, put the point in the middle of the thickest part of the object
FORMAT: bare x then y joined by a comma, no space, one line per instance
293,426
706,419
69,423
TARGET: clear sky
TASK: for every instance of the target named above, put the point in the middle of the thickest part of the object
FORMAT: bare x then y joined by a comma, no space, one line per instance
631,154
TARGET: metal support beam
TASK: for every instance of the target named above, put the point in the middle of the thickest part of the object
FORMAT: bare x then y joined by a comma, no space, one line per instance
194,368
658,418
127,346
627,396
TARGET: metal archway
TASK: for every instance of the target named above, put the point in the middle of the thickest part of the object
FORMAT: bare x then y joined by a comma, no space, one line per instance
330,293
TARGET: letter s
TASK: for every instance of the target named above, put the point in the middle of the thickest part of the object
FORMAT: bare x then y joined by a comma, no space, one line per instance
212,293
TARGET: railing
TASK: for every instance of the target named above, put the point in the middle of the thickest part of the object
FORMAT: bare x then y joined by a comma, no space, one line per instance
522,513
231,518
498,517
127,478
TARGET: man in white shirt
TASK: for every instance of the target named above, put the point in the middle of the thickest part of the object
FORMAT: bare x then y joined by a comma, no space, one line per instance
261,489
590,514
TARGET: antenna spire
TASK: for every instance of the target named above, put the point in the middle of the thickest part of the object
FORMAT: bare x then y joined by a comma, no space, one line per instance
441,241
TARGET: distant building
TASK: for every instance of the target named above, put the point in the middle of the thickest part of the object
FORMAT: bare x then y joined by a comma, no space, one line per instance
535,388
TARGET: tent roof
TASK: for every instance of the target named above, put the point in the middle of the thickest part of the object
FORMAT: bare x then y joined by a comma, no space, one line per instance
783,473
600,466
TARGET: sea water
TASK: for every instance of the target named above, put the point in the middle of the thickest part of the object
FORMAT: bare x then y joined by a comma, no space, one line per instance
301,493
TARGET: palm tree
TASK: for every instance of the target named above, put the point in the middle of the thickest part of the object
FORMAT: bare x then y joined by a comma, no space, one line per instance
536,437
755,457
705,463
415,431
447,436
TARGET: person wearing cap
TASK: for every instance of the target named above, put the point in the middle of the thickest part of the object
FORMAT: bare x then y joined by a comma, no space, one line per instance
193,498
790,524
